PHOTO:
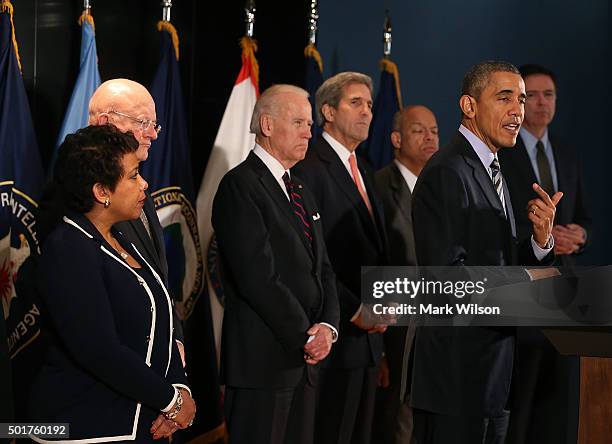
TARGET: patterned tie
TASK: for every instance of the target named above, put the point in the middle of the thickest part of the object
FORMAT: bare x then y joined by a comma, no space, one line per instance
496,176
355,174
296,205
546,181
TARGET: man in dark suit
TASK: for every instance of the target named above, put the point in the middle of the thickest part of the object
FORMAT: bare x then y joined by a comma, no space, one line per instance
129,106
415,140
541,157
462,215
354,233
547,383
281,313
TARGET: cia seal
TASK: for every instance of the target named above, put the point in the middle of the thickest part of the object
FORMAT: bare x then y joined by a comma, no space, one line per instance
183,249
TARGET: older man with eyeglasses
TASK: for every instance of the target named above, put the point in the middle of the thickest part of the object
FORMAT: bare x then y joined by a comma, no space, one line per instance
129,106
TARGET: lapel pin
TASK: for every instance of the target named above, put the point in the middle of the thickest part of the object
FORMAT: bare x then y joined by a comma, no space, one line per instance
316,216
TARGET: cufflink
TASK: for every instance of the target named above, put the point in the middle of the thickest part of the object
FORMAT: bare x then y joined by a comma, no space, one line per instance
334,334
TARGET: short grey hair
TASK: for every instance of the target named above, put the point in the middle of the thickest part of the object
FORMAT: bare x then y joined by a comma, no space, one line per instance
330,92
477,78
268,103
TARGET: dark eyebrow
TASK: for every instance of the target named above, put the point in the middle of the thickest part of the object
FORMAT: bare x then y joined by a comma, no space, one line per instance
504,92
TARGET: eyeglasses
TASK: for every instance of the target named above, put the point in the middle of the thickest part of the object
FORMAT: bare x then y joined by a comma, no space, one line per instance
144,124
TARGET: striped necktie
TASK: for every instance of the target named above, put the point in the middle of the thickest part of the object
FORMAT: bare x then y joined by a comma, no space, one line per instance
497,179
297,206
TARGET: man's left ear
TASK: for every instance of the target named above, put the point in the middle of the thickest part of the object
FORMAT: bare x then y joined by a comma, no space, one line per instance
396,140
266,123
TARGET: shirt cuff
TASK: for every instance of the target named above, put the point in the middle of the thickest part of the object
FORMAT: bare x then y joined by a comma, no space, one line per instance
357,313
539,252
333,329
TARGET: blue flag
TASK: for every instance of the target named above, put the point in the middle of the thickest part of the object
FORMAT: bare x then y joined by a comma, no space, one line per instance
313,78
87,82
378,148
21,179
168,171
21,175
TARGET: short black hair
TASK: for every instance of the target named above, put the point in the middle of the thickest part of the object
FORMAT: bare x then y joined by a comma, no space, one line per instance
89,156
478,76
531,69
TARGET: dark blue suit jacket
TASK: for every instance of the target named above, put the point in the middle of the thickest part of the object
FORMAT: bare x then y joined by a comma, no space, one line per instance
353,238
459,220
276,285
109,364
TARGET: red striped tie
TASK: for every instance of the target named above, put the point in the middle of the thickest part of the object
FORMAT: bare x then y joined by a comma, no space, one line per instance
298,207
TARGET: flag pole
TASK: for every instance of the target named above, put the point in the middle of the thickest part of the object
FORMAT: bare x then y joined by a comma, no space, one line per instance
313,22
249,10
166,7
387,35
386,64
311,48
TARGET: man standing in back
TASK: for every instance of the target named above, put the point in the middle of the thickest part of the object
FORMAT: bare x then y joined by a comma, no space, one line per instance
415,140
354,233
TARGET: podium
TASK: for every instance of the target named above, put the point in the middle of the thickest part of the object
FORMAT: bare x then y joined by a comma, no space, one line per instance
594,346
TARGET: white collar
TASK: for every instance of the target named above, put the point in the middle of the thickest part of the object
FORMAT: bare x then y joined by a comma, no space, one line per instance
342,151
275,167
408,175
484,153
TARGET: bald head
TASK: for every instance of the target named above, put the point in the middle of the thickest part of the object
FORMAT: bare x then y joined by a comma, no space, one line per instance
125,104
415,136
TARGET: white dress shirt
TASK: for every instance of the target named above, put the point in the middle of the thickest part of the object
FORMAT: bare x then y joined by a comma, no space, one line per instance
344,154
408,175
275,167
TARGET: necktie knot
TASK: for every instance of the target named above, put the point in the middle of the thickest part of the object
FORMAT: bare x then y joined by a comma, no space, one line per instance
494,166
540,146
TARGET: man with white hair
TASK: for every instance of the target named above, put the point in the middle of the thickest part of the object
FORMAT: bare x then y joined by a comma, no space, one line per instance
130,107
281,311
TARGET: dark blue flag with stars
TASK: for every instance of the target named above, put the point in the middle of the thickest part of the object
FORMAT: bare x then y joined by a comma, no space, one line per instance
21,179
168,172
378,148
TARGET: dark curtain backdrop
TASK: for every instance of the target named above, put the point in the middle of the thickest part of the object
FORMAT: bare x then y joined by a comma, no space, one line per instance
434,42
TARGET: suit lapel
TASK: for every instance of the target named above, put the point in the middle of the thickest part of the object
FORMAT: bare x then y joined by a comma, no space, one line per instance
375,221
401,192
279,197
135,232
485,183
345,182
564,175
523,162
